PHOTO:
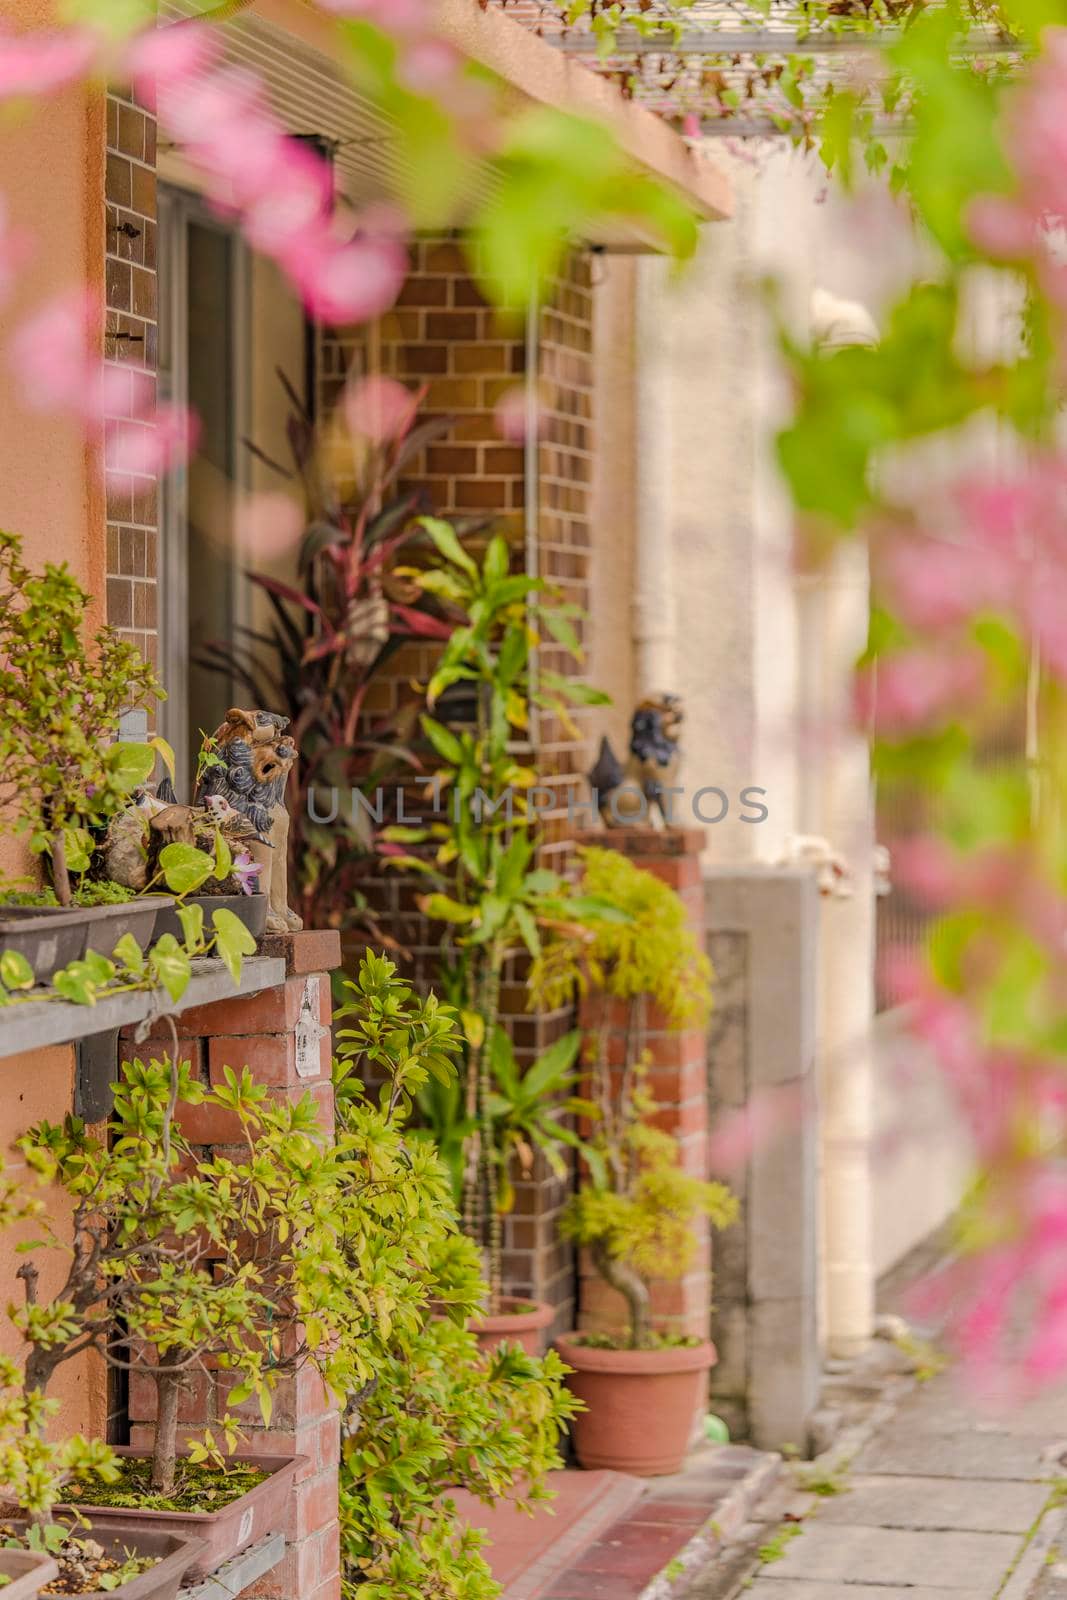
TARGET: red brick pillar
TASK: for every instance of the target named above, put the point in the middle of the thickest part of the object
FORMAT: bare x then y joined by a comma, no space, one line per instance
283,1036
677,1079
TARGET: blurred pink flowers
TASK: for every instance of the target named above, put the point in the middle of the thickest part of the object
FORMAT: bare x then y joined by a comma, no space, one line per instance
279,190
41,63
379,409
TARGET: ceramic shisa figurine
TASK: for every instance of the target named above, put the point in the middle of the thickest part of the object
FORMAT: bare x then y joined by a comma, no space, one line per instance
633,795
250,757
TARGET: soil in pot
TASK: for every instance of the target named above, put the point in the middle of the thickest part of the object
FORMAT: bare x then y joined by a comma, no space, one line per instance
227,1510
151,1563
23,1573
641,1405
521,1322
251,909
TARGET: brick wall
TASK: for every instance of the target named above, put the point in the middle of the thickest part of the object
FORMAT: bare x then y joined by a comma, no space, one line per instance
443,333
130,346
259,1031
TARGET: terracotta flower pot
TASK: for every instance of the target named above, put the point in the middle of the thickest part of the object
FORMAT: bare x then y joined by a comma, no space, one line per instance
519,1322
26,1573
219,1534
641,1404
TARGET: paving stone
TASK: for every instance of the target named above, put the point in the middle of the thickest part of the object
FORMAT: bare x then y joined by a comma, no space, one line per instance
969,1563
976,1505
940,1407
797,1589
901,1449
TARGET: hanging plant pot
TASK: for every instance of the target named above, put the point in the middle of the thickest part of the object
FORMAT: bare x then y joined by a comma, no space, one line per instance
641,1404
522,1322
51,937
220,1533
26,1573
251,909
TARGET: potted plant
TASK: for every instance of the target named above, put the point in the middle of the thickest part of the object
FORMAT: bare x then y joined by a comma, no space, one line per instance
492,899
62,772
634,1213
432,1413
37,1549
186,1261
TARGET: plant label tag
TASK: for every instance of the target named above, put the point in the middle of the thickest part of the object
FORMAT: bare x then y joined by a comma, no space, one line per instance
244,1532
309,1031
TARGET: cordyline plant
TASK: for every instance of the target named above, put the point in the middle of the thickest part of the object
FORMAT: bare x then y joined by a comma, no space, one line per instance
431,1414
492,897
61,697
334,631
183,1260
635,1213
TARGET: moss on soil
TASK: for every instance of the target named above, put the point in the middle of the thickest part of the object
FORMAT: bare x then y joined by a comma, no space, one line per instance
619,1341
198,1488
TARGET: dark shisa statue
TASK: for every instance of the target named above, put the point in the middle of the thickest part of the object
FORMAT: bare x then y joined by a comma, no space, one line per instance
632,795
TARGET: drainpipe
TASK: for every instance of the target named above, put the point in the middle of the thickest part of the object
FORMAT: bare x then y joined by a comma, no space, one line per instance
654,615
837,604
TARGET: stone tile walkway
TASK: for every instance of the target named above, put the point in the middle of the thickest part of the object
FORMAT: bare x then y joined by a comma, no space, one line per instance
613,1537
942,1502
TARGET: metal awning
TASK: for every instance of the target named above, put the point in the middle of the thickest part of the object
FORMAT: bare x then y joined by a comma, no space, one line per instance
291,47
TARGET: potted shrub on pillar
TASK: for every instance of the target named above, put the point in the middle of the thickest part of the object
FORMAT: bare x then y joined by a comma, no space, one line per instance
635,1211
62,773
218,1263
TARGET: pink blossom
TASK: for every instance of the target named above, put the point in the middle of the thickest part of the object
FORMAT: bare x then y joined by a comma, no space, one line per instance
1002,228
52,353
155,444
353,282
428,65
379,409
268,525
394,16
514,414
918,688
34,64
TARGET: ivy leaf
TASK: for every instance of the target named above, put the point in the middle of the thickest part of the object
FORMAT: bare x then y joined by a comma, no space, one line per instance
128,953
185,867
15,970
232,941
192,921
223,857
129,764
170,963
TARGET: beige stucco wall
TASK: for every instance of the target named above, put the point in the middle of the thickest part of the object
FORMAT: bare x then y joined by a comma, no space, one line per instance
52,177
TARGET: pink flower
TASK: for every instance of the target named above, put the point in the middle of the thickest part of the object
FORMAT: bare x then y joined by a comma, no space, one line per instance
379,409
34,64
353,282
516,414
919,688
51,351
268,525
247,872
428,65
154,445
394,16
1002,228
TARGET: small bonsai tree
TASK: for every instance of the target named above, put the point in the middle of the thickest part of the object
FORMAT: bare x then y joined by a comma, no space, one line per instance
33,1468
60,702
432,1413
183,1260
635,1215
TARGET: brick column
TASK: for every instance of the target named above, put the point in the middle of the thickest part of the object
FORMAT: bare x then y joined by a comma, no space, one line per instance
283,1036
677,1079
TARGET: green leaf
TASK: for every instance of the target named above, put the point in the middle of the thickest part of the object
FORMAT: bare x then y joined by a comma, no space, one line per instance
165,753
440,908
223,857
192,921
15,970
232,941
185,867
128,953
170,963
77,847
129,764
445,743
445,538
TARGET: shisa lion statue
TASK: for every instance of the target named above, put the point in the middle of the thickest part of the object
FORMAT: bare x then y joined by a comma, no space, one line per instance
633,795
252,759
